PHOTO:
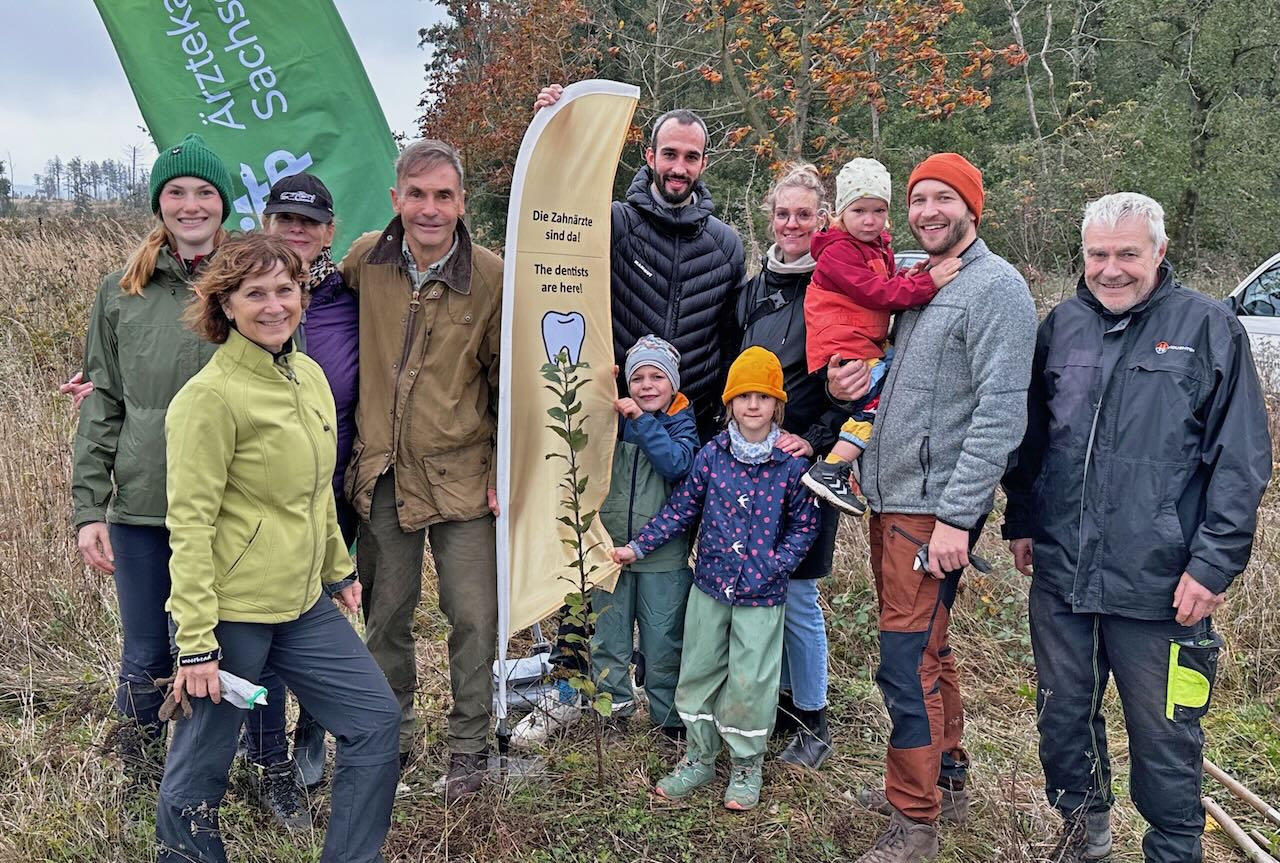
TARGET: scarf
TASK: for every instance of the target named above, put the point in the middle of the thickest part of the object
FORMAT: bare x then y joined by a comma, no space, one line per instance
321,268
752,453
773,262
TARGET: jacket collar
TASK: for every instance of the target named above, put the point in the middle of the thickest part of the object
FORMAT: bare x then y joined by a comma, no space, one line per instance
258,359
1165,283
686,221
976,249
456,274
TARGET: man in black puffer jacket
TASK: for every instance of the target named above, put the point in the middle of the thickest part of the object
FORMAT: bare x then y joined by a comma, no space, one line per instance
677,270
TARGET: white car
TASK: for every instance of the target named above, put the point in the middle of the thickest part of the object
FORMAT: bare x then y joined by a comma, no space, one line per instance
1256,301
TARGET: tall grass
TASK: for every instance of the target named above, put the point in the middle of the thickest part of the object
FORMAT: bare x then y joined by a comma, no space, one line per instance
62,799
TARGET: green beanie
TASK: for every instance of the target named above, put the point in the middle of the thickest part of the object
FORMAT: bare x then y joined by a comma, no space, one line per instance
191,158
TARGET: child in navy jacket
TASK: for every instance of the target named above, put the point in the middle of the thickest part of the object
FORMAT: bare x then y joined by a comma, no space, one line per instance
758,522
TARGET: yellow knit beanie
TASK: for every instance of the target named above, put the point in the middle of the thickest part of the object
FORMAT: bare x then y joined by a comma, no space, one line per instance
756,370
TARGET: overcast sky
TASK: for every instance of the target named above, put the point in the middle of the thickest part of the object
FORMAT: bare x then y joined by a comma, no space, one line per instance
62,90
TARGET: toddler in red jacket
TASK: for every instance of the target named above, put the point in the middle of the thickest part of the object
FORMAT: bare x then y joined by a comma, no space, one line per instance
855,287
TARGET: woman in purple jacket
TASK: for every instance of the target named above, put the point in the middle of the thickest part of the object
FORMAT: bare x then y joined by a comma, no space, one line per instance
299,210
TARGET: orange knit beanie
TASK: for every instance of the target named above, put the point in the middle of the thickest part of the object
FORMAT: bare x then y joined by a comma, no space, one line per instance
756,370
958,173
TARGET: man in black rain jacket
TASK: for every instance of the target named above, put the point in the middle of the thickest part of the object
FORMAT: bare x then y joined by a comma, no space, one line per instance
1134,494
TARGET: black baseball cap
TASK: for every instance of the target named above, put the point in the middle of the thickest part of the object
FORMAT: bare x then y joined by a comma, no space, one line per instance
302,194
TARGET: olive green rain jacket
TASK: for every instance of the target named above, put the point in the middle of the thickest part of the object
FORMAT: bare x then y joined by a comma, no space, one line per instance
138,355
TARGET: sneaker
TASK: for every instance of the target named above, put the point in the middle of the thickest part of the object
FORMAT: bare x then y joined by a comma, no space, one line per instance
279,794
745,779
689,775
904,841
955,803
555,711
1084,838
834,482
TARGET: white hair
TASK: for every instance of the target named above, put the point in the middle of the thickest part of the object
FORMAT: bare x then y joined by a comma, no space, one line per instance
1109,210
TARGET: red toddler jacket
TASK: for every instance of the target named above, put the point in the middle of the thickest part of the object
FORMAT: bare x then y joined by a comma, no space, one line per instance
853,291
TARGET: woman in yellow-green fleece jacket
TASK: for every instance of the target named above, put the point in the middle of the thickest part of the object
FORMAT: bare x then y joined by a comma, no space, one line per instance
256,554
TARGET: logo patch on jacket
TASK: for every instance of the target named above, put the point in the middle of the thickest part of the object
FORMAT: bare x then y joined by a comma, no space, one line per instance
1163,347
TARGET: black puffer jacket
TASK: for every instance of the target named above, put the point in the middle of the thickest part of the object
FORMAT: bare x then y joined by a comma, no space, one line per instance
771,315
1146,452
677,272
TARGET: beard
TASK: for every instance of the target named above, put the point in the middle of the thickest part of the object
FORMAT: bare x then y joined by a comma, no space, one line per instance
955,233
675,197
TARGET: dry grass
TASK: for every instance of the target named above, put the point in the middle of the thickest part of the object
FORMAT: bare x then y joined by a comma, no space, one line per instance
62,800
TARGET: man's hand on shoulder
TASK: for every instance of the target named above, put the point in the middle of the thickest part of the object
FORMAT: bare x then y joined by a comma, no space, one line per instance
547,97
1193,601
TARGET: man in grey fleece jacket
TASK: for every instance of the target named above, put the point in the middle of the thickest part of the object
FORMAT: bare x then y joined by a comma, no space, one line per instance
952,409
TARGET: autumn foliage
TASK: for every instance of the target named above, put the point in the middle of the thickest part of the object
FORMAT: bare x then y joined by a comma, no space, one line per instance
786,78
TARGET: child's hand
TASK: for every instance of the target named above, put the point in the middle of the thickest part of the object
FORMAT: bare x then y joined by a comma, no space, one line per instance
944,271
624,555
628,408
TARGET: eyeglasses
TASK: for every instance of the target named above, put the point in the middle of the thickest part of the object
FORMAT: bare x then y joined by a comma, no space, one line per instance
801,217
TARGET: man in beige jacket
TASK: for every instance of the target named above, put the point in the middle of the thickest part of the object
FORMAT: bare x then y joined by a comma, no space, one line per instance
423,463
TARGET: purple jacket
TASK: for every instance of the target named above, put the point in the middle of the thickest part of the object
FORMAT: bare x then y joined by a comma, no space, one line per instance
758,522
330,335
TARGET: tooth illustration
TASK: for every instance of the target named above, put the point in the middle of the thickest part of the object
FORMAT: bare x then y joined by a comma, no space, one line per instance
564,331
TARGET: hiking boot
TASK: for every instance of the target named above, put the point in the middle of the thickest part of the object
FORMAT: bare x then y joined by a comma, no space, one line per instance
1084,838
955,803
689,775
279,794
745,779
811,745
555,711
308,752
467,772
904,841
835,483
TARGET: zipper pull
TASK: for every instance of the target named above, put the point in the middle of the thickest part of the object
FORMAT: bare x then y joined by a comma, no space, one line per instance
322,420
414,304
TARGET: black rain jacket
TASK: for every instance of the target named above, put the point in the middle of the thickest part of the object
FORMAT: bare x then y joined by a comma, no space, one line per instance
677,272
1146,454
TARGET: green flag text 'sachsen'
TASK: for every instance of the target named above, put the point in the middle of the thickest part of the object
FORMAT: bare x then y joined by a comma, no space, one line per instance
274,87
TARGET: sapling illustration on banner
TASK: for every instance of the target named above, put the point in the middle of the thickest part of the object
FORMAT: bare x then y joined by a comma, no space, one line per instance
562,373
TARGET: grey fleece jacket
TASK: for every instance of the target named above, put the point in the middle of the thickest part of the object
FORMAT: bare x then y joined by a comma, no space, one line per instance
954,404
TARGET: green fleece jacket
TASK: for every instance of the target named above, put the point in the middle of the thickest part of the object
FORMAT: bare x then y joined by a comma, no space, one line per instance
137,354
252,524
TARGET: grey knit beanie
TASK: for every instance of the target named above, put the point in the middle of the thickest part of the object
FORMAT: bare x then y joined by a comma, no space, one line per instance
652,351
191,157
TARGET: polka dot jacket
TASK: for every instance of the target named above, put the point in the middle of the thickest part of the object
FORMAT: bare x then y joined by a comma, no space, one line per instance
758,522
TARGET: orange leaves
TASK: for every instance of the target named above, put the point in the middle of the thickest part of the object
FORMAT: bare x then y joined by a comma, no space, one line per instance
735,136
710,75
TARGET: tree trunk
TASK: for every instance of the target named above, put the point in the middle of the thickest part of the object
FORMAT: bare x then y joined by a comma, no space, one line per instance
1186,235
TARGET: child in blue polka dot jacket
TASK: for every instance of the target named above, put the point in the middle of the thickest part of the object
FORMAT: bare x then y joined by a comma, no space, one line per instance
758,522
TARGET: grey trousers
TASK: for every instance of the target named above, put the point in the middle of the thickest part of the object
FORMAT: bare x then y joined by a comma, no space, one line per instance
321,658
389,561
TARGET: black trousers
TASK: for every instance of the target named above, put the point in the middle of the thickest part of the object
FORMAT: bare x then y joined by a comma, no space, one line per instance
1075,655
